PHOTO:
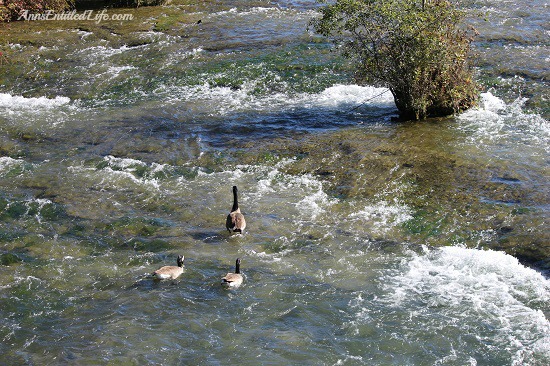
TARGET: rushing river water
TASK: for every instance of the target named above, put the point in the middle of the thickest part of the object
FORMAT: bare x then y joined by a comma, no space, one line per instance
369,242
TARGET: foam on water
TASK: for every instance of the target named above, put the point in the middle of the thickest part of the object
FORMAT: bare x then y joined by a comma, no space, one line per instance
82,33
179,57
494,121
338,95
36,112
264,189
131,165
383,216
114,71
123,163
302,194
270,12
309,198
225,100
463,267
482,291
99,53
7,163
314,204
118,172
254,10
11,103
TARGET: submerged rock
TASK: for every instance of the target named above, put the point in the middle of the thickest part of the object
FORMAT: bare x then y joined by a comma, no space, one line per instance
9,258
453,196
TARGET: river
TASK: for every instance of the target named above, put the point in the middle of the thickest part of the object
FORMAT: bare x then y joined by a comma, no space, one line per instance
368,241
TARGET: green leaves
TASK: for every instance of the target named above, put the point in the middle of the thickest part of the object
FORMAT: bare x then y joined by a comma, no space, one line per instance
417,49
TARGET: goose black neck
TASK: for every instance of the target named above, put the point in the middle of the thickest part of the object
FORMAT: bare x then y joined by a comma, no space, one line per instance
238,266
235,199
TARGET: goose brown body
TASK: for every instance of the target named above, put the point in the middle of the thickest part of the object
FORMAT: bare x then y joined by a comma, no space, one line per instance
235,220
170,272
233,279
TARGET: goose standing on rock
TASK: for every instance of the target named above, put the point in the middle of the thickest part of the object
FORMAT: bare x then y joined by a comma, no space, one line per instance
170,272
235,220
233,279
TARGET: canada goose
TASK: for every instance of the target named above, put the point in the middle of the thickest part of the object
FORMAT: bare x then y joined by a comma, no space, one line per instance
233,279
235,220
170,272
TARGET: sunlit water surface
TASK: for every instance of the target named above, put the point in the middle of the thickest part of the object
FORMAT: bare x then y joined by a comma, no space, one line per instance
124,157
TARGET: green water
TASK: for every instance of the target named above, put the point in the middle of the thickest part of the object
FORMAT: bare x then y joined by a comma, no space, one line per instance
368,241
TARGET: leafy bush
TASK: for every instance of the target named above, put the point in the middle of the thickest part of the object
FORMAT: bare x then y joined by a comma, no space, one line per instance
416,48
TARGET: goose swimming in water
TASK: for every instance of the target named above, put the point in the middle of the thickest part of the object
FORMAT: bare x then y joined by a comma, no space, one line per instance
235,220
170,272
233,279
